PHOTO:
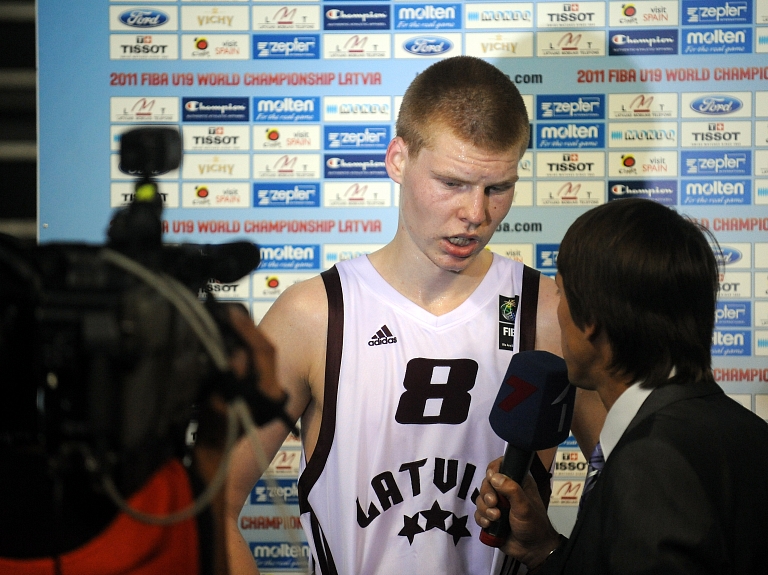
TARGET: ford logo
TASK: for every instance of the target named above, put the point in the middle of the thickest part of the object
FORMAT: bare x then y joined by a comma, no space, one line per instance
428,45
716,105
730,256
137,18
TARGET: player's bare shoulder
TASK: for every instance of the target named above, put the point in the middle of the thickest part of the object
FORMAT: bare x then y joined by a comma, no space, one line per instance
301,307
297,324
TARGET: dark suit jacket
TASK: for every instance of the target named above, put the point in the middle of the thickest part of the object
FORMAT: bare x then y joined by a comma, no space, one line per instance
684,491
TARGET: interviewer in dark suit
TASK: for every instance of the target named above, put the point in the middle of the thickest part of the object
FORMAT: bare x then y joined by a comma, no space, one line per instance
684,488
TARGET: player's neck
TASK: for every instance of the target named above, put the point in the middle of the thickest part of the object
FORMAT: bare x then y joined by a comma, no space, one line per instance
432,288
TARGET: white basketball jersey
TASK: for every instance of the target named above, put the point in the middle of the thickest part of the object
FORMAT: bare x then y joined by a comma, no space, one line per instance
405,439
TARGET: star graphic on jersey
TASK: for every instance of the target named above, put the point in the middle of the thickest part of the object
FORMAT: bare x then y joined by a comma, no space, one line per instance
410,528
458,529
436,517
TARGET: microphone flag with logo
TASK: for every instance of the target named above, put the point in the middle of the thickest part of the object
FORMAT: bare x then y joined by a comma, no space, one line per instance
532,411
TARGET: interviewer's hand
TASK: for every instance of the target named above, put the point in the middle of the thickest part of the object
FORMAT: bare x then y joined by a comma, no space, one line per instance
532,536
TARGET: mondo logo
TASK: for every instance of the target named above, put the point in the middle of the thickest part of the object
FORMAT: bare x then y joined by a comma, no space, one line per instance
143,18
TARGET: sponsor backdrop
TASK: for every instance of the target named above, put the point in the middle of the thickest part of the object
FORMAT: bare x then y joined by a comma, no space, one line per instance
286,109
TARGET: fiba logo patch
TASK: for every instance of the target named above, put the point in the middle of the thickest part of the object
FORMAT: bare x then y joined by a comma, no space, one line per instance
507,314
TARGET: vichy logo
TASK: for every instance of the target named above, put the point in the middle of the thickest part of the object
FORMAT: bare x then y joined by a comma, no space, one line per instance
716,105
428,45
143,18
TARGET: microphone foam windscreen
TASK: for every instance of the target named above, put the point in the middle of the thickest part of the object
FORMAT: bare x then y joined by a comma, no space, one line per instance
534,406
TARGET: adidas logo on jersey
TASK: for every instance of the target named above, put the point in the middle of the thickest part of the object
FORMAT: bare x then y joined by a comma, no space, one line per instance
382,337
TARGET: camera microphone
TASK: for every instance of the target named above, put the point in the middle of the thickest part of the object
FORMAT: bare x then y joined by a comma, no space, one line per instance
196,264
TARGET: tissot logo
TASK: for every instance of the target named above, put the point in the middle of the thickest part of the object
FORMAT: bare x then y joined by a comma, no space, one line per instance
143,47
716,134
570,14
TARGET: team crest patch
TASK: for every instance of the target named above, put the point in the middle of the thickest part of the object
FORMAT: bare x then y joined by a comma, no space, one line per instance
507,313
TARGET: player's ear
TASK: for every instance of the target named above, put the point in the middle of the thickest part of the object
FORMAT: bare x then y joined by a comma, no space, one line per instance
395,159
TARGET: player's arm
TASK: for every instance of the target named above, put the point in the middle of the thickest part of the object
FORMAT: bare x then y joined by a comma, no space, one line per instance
295,325
589,412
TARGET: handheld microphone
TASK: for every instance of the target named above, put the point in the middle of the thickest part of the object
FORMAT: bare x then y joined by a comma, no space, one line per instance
532,411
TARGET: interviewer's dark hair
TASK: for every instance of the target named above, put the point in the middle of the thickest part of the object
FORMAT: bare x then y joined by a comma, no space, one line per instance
470,97
648,278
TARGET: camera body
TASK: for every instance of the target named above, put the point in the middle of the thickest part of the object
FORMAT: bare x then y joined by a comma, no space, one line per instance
106,354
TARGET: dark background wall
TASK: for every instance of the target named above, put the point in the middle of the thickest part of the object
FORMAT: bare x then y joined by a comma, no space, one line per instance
18,127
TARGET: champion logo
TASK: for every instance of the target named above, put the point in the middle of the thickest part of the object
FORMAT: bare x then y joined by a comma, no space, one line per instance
382,337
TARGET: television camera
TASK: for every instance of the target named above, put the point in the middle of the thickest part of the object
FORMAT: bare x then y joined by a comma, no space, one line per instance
107,350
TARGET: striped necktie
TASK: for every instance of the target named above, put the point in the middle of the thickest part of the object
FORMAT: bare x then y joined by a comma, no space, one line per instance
596,462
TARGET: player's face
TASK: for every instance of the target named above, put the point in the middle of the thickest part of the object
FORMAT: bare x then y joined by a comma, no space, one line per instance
578,352
453,195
